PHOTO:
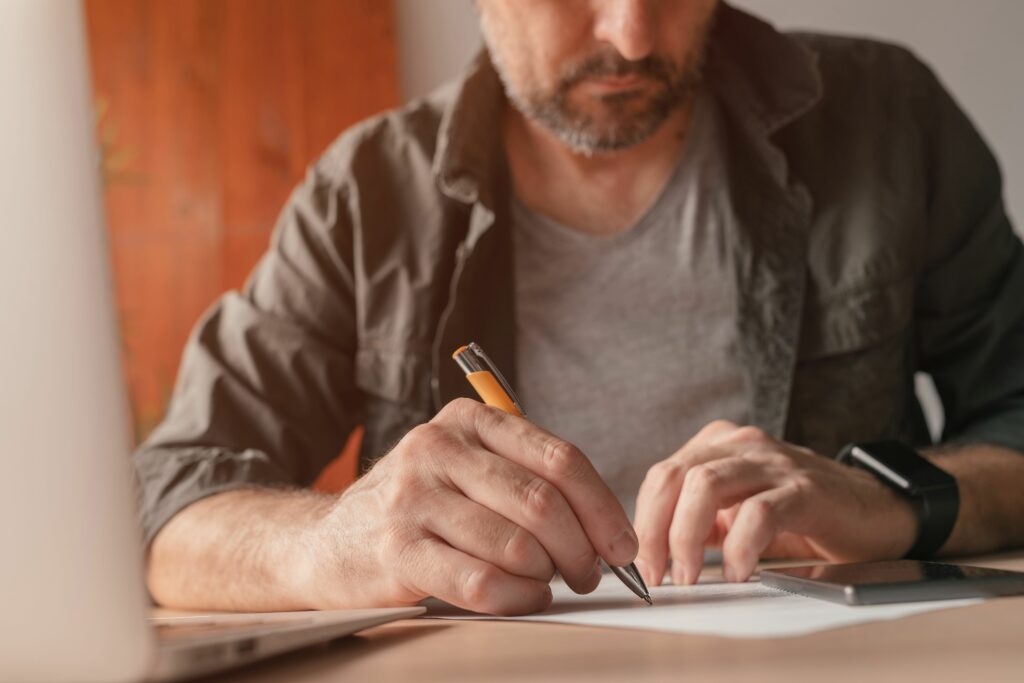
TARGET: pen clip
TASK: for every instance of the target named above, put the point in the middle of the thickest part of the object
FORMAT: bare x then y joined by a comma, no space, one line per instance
488,365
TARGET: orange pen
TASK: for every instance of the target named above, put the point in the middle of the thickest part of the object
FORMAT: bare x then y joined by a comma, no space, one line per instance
495,391
487,380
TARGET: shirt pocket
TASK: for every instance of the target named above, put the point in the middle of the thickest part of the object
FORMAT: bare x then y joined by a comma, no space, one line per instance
855,319
854,375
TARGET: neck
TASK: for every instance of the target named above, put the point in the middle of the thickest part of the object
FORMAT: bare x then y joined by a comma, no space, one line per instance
600,193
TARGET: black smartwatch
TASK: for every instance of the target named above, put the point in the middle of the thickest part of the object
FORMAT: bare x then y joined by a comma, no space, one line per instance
932,491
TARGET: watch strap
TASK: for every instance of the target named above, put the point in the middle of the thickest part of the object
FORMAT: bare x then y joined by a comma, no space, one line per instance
932,491
937,512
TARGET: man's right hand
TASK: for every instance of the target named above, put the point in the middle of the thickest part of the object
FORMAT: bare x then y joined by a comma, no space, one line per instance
477,508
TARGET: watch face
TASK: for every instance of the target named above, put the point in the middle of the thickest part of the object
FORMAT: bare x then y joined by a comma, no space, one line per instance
903,465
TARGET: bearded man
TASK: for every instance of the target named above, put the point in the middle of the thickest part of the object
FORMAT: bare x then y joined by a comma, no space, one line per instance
707,254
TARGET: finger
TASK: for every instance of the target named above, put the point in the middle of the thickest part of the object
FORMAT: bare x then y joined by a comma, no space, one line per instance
479,531
563,465
451,575
759,520
659,495
529,501
654,506
708,488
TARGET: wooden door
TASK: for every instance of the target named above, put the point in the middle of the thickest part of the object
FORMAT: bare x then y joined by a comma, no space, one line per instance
209,112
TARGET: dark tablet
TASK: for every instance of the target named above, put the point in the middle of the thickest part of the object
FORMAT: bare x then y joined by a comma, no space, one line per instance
877,583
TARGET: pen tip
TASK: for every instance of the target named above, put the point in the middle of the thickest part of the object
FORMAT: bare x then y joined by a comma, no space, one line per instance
648,599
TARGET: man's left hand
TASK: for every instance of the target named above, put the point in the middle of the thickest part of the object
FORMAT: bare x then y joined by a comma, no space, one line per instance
753,495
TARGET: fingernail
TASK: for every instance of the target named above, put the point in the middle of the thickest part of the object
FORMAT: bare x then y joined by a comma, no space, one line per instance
625,543
593,579
546,598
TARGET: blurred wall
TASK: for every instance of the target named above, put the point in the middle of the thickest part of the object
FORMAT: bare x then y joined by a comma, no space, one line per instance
436,39
974,46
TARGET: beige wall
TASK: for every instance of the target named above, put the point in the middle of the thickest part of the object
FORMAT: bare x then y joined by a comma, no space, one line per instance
436,38
974,46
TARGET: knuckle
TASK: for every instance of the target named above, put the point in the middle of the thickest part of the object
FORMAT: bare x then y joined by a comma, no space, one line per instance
666,469
803,484
561,458
519,548
460,409
402,486
768,458
662,475
447,411
540,499
427,435
703,479
717,426
480,585
750,434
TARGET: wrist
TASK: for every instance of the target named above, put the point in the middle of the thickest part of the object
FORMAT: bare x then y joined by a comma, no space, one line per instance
902,520
917,481
308,547
891,524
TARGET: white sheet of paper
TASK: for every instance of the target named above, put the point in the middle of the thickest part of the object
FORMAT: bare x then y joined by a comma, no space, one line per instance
746,610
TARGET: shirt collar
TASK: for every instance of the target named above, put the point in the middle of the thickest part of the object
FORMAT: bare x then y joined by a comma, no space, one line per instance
469,150
765,80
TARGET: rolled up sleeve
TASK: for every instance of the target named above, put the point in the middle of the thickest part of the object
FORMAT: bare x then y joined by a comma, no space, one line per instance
970,301
265,393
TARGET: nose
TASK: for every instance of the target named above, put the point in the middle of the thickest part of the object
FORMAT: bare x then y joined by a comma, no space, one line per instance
629,26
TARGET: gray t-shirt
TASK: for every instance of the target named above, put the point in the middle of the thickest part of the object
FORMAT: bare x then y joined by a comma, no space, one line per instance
626,343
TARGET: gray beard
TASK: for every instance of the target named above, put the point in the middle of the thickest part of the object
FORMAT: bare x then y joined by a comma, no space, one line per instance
582,133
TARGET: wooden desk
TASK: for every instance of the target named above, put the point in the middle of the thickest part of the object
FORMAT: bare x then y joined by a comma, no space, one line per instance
974,644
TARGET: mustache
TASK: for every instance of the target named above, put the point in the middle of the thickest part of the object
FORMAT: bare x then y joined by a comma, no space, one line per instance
612,64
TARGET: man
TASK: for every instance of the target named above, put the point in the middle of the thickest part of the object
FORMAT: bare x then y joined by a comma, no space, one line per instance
707,254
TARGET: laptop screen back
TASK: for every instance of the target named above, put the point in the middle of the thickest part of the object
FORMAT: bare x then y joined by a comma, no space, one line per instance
73,600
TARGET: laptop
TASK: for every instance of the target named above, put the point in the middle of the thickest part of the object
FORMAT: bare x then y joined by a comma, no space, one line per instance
73,605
